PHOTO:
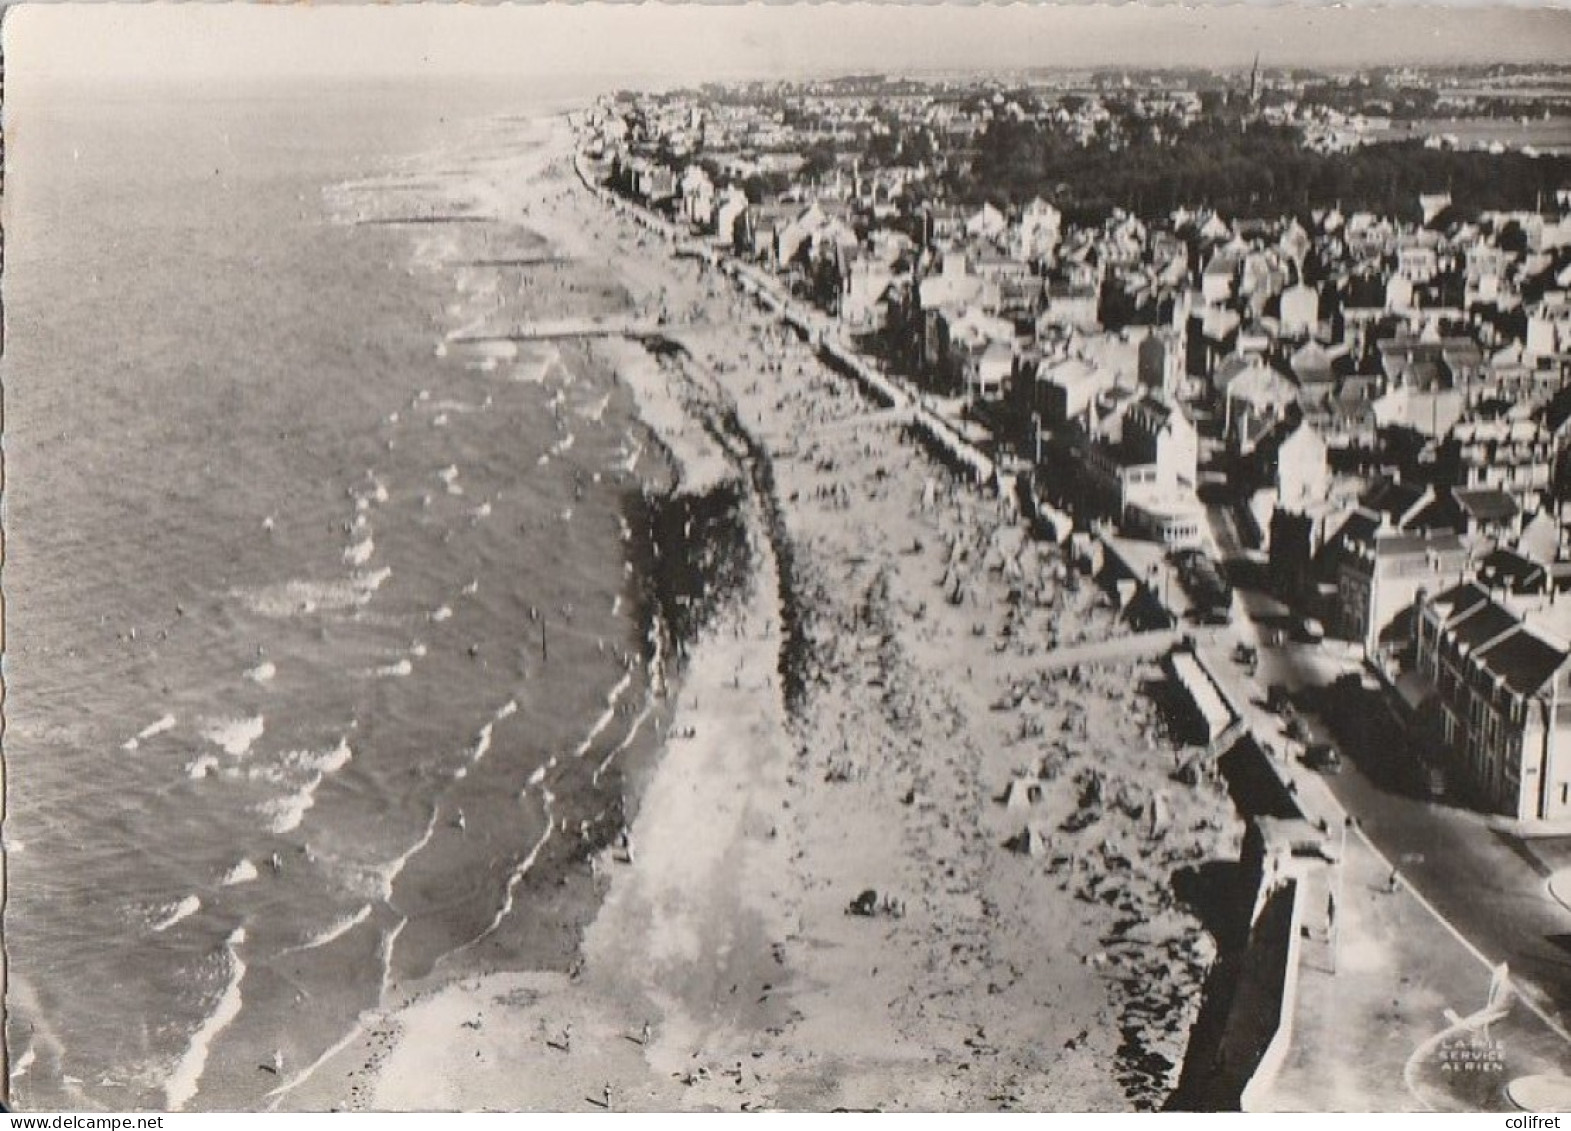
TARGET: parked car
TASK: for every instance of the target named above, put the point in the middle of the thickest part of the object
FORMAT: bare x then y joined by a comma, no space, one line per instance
1322,756
1277,700
1311,631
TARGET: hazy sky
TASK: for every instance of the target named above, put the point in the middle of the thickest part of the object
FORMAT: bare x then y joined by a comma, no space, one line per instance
697,41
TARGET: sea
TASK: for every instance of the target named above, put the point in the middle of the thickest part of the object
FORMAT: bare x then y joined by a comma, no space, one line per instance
322,632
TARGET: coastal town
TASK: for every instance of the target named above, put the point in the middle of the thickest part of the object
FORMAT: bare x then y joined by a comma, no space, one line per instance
1306,432
788,558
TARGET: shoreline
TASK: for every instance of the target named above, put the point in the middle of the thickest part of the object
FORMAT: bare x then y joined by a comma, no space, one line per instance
824,743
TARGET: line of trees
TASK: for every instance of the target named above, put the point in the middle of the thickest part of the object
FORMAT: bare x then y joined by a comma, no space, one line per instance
1252,169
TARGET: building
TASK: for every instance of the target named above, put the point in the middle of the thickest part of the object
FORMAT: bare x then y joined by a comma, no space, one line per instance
1293,465
1380,574
1067,388
1515,457
1160,362
1502,688
1143,467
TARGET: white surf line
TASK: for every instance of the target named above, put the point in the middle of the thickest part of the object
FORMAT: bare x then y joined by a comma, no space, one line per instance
386,956
167,722
1467,944
337,931
607,716
516,877
483,736
482,744
186,908
627,740
183,1081
392,869
311,1069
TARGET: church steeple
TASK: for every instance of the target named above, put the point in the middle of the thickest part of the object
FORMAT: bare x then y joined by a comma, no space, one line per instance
1254,81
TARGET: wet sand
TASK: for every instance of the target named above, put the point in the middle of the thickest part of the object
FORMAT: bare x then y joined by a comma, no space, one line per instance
846,725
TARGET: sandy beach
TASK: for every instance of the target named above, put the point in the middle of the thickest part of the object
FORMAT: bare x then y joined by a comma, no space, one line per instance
890,856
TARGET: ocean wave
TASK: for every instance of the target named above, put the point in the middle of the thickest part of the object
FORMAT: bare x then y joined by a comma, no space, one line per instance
263,672
389,941
441,614
337,930
358,553
396,670
242,873
506,709
298,597
515,878
234,736
320,761
564,445
167,722
482,743
182,1083
203,766
328,1054
175,912
627,739
606,716
388,874
284,814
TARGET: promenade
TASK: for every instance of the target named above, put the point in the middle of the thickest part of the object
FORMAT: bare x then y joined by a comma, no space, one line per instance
1384,984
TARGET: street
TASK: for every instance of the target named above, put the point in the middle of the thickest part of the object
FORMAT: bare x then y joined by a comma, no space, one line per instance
1489,884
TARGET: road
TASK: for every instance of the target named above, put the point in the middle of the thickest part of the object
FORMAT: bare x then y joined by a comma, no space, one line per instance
1488,883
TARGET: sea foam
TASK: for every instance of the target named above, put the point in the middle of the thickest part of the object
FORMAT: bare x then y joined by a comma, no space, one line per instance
172,914
234,736
182,1083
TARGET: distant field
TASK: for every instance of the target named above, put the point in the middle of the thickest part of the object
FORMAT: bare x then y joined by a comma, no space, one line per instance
1548,135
